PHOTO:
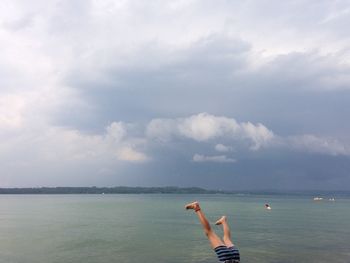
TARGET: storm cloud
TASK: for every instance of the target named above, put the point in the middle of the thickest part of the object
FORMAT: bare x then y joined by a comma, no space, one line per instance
188,93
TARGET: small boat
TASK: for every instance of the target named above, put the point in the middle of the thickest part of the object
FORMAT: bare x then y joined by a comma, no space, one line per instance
267,206
318,198
331,199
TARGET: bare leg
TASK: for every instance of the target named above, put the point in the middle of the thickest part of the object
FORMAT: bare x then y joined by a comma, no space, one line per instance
215,241
227,233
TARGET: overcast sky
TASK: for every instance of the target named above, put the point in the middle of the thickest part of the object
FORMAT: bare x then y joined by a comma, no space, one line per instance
217,94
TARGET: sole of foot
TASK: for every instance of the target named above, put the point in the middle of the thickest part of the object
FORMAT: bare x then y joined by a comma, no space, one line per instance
221,220
194,206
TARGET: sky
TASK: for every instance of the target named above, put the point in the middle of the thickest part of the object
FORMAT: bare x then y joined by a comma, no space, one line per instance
233,95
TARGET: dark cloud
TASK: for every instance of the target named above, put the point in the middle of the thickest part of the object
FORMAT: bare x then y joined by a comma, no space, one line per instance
293,94
81,81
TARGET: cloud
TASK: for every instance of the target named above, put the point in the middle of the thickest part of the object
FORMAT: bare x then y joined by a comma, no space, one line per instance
205,127
59,144
223,148
70,68
216,158
115,144
338,14
117,131
11,108
129,154
308,70
315,144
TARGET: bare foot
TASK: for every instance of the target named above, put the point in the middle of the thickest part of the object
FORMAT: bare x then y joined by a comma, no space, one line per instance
221,220
194,206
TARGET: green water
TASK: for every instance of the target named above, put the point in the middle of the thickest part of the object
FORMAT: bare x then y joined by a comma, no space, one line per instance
157,229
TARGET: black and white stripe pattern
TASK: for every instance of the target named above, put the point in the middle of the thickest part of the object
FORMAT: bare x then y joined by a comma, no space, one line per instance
227,254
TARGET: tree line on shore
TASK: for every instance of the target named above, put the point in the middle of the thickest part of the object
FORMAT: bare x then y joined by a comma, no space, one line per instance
107,190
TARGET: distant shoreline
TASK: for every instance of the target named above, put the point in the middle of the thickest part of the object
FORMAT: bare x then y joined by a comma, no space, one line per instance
163,190
107,190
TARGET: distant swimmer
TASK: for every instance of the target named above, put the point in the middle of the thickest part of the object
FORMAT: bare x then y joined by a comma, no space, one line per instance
267,206
225,250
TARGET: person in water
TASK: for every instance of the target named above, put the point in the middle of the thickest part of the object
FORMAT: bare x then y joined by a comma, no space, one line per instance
225,250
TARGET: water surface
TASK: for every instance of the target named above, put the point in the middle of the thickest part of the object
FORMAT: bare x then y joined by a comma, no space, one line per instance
157,229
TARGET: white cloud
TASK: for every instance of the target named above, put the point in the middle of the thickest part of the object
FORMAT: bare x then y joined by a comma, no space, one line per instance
115,144
335,15
316,144
58,144
215,158
162,129
11,111
259,134
117,131
223,148
129,154
203,127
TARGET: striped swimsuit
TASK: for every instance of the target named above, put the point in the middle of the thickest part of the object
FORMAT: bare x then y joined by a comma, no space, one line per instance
227,254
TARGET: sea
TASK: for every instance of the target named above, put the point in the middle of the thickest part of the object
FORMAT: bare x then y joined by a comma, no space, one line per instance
155,228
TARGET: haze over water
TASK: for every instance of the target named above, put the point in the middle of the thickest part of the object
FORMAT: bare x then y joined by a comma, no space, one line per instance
156,228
